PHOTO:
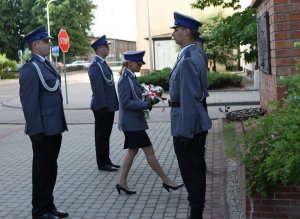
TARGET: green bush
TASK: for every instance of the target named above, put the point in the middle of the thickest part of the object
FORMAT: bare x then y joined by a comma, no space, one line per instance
272,144
216,80
160,78
9,75
6,64
8,68
75,68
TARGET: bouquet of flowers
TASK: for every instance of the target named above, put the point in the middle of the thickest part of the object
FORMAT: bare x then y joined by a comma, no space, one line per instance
155,93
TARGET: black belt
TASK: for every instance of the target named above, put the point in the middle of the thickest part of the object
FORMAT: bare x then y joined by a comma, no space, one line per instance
173,103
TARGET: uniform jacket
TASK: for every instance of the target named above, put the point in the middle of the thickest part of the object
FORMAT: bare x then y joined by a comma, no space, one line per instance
186,86
204,75
131,113
104,92
43,109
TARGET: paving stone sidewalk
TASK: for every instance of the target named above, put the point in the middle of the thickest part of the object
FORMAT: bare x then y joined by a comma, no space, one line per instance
87,193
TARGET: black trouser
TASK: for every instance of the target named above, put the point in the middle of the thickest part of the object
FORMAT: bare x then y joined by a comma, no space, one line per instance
190,156
44,172
103,126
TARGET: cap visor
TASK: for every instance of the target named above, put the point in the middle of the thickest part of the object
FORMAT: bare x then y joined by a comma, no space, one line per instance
140,62
175,26
47,37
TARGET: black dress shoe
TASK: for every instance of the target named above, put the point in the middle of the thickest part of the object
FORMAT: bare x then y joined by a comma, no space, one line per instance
115,166
168,187
60,214
107,167
45,216
121,188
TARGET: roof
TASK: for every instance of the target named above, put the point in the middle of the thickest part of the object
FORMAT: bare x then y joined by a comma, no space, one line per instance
166,36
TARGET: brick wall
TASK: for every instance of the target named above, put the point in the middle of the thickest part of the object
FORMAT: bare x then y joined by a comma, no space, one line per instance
283,202
284,20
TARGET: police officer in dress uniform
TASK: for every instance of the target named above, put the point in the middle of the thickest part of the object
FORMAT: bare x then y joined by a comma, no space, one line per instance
42,104
189,119
104,103
133,123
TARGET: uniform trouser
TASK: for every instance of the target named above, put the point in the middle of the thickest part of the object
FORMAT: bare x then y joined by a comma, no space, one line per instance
44,172
103,127
190,156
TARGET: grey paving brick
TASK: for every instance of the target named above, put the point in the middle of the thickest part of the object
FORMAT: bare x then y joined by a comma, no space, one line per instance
84,191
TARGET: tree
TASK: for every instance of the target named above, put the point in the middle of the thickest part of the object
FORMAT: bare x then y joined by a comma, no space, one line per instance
201,4
217,51
236,30
10,28
239,30
75,16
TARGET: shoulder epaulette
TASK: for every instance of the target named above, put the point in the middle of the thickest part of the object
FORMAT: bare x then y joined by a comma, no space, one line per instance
187,54
29,59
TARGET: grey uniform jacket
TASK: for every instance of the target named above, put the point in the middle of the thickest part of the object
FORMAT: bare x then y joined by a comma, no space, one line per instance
204,74
43,109
103,87
186,86
131,113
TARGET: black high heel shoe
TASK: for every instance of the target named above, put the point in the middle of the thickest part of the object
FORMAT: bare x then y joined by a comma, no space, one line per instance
168,187
121,188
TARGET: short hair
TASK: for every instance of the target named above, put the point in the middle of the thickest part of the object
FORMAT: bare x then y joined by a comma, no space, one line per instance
194,34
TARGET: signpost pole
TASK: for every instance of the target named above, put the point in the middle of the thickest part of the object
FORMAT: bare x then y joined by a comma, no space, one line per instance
64,44
65,78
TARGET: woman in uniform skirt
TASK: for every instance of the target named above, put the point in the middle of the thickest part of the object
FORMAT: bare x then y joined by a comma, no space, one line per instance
133,123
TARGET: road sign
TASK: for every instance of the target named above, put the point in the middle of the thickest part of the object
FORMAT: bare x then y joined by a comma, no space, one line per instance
63,40
55,51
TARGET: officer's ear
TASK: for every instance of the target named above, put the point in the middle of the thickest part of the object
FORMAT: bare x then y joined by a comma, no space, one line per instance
186,31
33,44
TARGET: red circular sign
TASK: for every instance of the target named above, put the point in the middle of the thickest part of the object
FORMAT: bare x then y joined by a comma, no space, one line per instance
63,40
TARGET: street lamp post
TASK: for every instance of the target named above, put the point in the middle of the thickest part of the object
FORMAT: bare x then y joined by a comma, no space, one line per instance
48,23
149,37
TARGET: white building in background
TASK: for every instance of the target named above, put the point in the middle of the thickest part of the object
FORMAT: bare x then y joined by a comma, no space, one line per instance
157,27
164,50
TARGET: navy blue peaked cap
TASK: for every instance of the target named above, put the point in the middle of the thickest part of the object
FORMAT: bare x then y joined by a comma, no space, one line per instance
185,21
134,55
39,33
100,42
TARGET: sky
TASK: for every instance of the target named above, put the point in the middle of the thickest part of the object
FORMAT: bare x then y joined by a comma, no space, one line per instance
115,19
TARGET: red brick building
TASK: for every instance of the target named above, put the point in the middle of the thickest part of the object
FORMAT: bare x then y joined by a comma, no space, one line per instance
283,27
278,24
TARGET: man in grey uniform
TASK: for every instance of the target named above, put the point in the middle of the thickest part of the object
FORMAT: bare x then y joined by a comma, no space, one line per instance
104,103
42,104
189,119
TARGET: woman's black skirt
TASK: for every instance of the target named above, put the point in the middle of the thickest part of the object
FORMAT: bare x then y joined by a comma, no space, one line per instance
136,139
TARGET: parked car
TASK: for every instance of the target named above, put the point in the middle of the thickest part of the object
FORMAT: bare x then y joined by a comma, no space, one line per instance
83,63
